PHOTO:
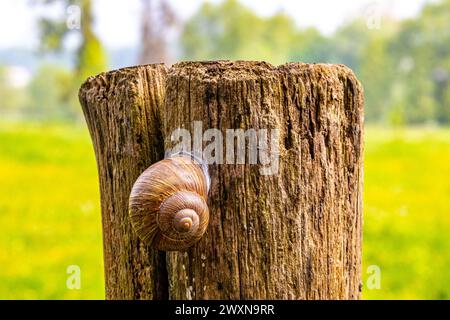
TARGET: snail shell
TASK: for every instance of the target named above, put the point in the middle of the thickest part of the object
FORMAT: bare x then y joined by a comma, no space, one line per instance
168,204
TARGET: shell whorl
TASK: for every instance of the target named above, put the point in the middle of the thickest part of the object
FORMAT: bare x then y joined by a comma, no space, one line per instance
168,204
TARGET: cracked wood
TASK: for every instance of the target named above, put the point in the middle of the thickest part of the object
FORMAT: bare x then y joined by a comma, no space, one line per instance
292,235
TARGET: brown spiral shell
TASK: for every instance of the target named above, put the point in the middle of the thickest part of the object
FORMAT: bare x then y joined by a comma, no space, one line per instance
168,204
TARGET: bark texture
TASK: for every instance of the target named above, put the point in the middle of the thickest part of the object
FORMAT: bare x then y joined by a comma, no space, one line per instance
292,235
120,108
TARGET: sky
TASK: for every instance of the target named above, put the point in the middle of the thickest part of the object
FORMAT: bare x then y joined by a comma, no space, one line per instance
117,21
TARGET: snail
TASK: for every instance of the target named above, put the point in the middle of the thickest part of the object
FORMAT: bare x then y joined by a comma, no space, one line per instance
168,203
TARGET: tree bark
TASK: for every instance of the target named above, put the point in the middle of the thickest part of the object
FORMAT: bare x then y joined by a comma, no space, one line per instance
292,235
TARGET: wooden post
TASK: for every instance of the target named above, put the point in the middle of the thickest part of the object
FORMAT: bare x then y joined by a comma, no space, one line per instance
295,234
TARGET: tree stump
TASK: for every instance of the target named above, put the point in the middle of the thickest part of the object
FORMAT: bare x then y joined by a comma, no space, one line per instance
295,234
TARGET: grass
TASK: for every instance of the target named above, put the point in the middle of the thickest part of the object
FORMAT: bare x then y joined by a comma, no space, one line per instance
50,216
407,213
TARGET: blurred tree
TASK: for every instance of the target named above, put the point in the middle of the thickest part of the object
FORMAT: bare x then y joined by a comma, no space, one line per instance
278,37
404,66
90,57
422,54
157,19
51,95
376,70
310,46
348,44
229,30
220,32
55,95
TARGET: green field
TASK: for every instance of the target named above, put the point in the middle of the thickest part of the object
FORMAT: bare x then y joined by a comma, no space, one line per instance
407,212
50,216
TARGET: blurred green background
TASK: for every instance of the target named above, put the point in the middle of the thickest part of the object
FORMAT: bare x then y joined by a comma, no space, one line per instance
49,199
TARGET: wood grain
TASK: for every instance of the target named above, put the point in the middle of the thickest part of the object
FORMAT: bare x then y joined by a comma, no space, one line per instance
292,235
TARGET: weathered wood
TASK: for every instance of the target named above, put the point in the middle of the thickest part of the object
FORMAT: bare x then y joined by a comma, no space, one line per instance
120,110
292,235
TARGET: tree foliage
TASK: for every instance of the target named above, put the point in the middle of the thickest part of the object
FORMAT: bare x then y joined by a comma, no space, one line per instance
51,95
53,90
404,66
90,55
